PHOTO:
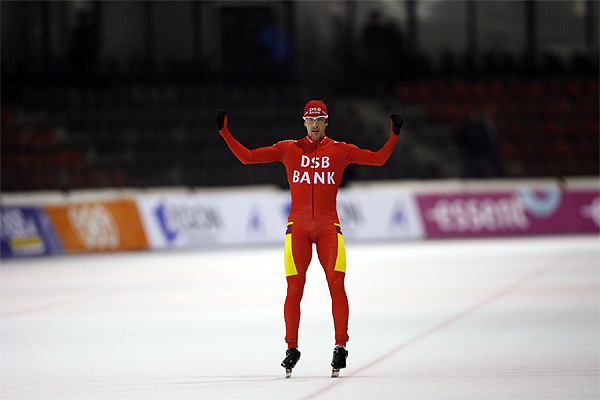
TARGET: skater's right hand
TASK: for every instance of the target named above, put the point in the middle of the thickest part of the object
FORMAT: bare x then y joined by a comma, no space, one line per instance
221,119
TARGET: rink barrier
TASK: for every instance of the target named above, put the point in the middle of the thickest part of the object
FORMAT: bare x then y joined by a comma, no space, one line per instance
98,226
104,221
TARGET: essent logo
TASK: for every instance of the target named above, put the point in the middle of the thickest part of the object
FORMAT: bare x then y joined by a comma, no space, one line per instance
479,214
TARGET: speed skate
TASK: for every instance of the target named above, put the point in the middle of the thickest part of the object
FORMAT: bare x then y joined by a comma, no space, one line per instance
338,361
289,362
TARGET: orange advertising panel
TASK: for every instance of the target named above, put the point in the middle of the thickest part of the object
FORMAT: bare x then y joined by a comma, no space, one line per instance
98,226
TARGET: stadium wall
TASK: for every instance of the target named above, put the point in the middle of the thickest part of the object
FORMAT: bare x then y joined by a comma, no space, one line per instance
42,224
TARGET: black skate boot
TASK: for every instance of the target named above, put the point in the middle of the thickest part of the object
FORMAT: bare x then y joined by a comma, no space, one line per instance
339,360
291,358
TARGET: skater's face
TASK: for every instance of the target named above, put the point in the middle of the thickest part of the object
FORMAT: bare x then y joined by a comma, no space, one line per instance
315,127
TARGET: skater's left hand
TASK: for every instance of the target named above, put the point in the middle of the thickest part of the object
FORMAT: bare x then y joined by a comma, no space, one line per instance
396,123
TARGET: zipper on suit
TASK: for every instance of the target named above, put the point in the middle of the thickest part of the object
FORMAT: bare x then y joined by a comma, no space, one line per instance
312,179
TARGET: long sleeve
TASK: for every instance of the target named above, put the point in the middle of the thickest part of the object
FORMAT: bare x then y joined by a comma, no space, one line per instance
246,156
368,157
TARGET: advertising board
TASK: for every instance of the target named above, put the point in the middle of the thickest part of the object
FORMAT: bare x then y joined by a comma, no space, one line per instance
98,226
523,211
27,231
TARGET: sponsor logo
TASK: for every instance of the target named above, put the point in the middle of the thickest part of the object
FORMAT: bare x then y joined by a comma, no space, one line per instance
592,211
349,213
185,219
285,209
402,221
323,177
255,228
399,220
542,203
314,162
399,217
20,232
479,214
95,227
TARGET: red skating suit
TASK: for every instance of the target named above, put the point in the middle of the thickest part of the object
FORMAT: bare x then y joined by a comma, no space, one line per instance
314,172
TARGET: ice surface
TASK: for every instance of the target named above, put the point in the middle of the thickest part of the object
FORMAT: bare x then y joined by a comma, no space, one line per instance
510,318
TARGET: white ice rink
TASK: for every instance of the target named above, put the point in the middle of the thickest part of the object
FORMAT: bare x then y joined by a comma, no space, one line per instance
471,319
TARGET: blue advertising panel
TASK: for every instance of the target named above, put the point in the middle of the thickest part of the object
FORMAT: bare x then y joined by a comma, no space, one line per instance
25,232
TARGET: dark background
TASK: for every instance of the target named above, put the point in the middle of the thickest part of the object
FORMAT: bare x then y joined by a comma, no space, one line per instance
488,89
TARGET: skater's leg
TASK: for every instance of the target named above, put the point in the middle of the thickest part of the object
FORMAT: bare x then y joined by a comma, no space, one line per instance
332,255
298,253
339,306
291,309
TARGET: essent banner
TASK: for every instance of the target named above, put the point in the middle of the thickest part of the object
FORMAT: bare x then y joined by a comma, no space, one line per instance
524,211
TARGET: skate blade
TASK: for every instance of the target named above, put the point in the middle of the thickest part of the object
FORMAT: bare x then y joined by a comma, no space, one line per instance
288,372
335,373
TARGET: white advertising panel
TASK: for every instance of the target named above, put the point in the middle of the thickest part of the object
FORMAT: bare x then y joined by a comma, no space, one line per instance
241,217
213,219
378,213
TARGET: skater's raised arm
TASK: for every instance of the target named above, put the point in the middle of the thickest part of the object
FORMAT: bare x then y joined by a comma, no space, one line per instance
368,157
246,156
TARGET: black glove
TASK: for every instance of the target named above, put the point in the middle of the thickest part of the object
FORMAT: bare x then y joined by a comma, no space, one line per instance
220,119
396,123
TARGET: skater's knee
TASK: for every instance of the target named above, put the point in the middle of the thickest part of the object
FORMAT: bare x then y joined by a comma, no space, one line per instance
295,286
335,281
295,291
